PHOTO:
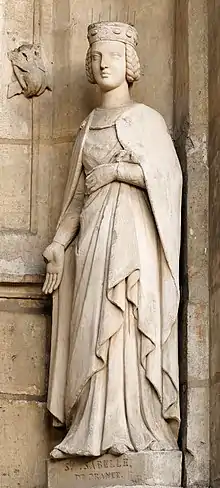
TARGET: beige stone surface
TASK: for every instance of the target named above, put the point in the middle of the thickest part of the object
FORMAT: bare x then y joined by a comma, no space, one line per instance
149,468
28,291
191,128
197,440
15,183
23,444
198,436
214,433
214,211
21,251
62,30
215,317
198,307
25,164
15,115
155,24
24,345
59,171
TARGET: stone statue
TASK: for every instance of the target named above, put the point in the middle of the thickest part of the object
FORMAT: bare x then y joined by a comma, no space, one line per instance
114,268
32,78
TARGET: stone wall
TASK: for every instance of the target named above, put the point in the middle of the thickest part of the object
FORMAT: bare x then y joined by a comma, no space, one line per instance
26,161
191,135
214,229
36,138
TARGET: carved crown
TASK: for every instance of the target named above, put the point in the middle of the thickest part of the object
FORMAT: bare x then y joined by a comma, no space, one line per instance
112,31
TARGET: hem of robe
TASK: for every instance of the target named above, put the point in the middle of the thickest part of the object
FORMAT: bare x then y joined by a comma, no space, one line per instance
166,340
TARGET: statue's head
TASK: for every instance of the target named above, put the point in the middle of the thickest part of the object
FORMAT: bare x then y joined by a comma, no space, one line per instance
111,58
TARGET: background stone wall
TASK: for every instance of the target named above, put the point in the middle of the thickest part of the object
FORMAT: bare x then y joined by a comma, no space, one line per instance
36,138
214,228
191,136
25,164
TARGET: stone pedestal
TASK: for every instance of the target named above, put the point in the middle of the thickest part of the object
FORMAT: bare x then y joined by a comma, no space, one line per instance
133,469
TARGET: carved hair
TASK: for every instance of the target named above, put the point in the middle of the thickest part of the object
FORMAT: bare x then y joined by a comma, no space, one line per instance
133,70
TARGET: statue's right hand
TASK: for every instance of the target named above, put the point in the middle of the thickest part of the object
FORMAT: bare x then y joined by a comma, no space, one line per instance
54,256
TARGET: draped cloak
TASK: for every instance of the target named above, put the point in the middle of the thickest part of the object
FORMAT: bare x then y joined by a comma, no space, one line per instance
143,133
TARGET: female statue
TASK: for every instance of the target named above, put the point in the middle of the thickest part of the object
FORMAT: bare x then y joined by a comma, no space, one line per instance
113,268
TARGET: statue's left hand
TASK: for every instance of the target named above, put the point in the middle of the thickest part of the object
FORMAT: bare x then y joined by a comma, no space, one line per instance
100,176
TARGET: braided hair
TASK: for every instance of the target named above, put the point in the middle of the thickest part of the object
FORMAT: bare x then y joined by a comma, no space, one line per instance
133,70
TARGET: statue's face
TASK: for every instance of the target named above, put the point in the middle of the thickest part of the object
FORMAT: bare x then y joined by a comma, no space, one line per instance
108,64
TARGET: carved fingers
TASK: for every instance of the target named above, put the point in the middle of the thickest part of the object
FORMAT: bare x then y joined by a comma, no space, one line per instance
102,175
47,283
52,282
121,156
54,256
58,281
124,156
91,183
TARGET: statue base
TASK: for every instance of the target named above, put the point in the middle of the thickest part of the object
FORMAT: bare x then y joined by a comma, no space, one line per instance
150,468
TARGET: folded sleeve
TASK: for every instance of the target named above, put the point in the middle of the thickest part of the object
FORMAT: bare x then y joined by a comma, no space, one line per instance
69,224
131,173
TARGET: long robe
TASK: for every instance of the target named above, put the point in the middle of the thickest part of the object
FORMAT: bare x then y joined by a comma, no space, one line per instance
142,132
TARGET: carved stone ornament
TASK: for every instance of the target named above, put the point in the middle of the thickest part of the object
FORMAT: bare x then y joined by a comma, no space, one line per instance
113,269
32,78
112,31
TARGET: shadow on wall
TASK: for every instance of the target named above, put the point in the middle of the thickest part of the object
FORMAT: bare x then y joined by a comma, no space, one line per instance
73,98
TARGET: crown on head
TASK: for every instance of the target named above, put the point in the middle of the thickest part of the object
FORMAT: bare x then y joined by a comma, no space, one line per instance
112,31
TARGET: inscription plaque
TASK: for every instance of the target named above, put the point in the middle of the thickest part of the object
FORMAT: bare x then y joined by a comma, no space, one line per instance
149,468
101,469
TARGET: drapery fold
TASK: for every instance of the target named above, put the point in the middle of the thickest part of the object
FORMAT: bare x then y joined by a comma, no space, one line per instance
153,221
